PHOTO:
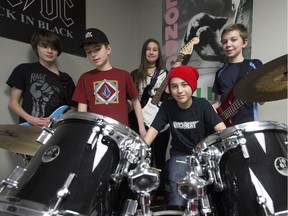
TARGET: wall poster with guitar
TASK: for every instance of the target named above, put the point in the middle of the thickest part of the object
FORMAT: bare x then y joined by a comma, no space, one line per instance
182,20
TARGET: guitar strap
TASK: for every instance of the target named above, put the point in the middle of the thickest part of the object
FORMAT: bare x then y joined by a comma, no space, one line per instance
244,69
154,78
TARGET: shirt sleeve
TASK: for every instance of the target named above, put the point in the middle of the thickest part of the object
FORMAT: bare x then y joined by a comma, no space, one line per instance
17,78
161,118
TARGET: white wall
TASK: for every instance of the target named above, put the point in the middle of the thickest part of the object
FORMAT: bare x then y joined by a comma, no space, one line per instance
128,23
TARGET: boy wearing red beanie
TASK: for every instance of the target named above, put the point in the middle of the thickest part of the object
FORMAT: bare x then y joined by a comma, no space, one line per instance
188,116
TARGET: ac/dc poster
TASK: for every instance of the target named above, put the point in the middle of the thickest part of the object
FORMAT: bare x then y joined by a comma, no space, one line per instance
183,20
20,18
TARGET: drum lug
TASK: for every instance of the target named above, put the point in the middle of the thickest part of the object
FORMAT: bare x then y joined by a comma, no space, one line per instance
12,181
93,138
242,142
45,135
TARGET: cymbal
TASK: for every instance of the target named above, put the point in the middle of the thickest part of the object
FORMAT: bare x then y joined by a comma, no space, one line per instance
20,139
267,82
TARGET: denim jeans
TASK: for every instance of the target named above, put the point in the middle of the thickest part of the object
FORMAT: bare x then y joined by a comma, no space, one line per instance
178,167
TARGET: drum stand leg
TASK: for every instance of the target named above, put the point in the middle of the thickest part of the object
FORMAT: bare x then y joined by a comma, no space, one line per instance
145,204
193,207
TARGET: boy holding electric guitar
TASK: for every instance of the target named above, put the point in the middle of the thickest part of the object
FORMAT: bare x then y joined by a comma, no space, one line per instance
233,111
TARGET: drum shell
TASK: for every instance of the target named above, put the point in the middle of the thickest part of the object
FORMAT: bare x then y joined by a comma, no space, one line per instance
90,189
253,176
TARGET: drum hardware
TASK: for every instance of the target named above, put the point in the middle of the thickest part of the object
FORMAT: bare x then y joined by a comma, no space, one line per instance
262,202
144,179
145,205
129,154
93,138
209,159
64,191
46,134
130,208
18,207
242,142
12,181
193,188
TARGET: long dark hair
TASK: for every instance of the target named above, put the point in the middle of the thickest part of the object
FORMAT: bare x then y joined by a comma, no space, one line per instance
140,75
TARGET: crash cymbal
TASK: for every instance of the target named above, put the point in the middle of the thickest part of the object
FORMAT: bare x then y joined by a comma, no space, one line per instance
267,82
20,139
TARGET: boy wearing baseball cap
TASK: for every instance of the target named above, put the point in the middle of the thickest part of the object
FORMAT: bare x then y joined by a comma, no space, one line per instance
106,89
188,117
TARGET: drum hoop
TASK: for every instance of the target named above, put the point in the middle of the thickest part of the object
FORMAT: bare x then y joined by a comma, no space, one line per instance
93,117
254,126
25,207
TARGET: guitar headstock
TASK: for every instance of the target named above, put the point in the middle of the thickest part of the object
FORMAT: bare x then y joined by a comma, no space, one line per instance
188,48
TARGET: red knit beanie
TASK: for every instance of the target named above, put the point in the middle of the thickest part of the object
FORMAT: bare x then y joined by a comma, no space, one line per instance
187,73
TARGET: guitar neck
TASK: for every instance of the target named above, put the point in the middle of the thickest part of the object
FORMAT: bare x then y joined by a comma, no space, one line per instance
157,97
186,50
231,110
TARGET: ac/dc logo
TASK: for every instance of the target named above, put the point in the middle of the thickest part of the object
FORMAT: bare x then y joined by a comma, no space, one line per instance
50,10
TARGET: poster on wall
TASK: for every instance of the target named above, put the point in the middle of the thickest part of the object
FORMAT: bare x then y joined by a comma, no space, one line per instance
184,20
20,18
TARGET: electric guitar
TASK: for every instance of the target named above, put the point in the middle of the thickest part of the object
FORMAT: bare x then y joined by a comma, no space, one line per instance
229,108
151,108
57,113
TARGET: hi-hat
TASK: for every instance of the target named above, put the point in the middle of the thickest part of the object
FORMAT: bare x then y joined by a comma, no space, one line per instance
267,82
20,139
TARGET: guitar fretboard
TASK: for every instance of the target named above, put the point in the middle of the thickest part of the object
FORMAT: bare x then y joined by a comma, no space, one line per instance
232,110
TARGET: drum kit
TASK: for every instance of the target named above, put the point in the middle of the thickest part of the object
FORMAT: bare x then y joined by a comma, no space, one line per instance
88,164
